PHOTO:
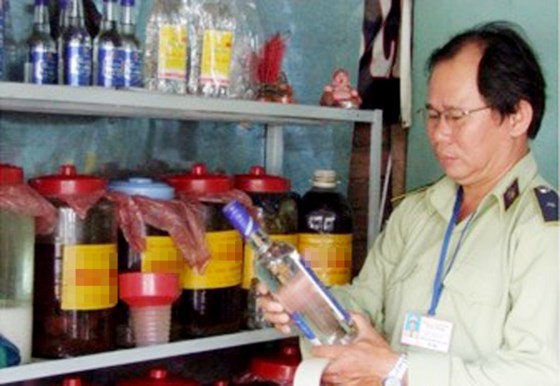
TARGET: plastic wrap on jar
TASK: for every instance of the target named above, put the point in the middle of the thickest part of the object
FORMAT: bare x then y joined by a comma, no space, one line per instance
181,219
224,36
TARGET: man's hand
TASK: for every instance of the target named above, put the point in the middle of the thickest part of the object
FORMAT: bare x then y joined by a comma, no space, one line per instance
366,361
272,310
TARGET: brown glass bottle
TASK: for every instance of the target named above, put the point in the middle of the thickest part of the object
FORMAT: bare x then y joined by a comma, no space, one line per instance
75,281
210,303
325,230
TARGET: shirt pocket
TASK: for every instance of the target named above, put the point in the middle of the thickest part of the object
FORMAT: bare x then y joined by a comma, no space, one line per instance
476,284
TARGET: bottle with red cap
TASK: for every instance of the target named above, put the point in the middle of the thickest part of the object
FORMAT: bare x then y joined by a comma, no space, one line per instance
277,212
211,300
76,283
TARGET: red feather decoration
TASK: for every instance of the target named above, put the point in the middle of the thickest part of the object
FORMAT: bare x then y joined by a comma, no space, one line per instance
269,61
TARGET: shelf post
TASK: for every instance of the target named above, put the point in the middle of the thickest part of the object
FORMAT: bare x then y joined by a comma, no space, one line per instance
274,153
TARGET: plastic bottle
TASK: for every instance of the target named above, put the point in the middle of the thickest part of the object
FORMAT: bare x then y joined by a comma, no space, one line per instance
211,66
325,230
41,67
107,49
74,47
131,46
166,53
279,266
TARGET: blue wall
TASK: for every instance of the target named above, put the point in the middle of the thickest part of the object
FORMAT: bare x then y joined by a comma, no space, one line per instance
435,21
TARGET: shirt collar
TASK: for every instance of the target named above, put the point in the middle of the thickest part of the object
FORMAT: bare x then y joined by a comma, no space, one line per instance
441,195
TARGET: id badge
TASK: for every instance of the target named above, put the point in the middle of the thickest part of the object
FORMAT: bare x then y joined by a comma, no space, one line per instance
426,332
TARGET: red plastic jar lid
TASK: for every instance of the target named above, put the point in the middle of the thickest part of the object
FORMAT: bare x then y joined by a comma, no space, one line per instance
280,367
68,181
159,377
257,181
72,381
10,174
200,181
140,289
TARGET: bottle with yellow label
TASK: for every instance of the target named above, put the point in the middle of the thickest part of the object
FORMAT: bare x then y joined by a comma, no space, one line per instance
76,283
160,254
325,230
211,300
277,211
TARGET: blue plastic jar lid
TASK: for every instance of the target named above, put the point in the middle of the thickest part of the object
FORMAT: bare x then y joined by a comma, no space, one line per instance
146,187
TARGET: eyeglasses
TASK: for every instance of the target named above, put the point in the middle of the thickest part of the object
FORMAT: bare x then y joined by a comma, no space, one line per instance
453,117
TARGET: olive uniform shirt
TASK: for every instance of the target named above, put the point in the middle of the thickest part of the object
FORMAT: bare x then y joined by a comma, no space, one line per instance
501,294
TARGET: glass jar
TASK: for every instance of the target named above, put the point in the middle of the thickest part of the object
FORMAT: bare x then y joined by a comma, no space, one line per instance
17,235
158,377
76,289
277,211
325,230
160,256
211,301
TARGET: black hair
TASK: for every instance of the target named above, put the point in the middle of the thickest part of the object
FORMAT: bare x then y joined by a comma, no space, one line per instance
508,71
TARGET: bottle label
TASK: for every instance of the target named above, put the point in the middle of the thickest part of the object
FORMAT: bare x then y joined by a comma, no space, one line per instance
172,52
89,277
330,256
161,256
216,57
225,266
249,258
110,67
44,66
132,65
77,65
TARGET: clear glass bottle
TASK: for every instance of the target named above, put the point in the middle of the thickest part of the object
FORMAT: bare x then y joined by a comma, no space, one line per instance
166,52
131,46
74,47
10,69
41,67
61,26
107,49
319,317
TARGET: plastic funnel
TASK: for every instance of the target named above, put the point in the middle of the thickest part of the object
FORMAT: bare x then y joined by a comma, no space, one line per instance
149,296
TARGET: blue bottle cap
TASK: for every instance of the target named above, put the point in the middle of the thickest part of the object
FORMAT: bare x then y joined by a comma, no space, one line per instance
238,216
143,187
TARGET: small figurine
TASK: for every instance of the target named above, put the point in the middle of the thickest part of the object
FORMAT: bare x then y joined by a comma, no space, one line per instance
340,93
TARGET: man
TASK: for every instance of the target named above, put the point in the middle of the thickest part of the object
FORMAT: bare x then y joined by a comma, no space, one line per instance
474,257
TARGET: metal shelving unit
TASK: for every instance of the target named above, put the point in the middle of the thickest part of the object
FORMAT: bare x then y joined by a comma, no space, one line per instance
47,368
95,101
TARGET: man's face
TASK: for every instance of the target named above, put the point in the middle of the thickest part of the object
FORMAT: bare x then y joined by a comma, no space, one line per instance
474,148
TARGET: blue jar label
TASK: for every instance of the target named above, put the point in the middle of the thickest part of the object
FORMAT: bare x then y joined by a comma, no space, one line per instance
132,68
43,64
110,67
77,65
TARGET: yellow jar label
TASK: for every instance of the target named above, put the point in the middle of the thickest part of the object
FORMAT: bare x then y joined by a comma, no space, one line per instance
216,57
225,266
330,256
249,258
89,277
172,52
162,256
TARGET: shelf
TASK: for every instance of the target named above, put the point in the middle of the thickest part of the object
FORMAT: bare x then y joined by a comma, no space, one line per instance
47,368
54,99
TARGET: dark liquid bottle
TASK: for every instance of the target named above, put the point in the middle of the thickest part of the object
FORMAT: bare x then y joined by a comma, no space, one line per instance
325,230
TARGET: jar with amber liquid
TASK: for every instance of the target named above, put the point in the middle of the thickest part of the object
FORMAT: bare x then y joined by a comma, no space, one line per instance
75,281
211,300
